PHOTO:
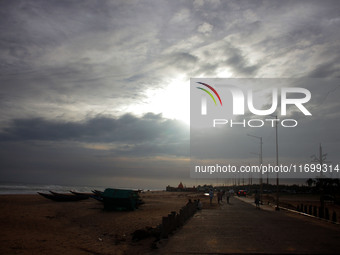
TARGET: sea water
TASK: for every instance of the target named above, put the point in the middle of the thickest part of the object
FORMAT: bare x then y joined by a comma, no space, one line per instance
10,188
18,188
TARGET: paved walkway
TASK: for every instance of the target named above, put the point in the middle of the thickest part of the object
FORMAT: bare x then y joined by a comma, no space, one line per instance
240,228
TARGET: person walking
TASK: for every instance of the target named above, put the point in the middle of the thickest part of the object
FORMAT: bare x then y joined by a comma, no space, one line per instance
199,205
219,197
257,200
211,195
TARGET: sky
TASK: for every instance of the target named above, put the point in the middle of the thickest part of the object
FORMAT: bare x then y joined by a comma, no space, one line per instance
98,92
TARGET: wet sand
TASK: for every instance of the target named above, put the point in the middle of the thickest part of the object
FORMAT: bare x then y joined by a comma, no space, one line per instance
31,224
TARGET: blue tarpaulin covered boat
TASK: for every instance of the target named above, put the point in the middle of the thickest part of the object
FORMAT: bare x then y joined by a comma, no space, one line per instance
120,199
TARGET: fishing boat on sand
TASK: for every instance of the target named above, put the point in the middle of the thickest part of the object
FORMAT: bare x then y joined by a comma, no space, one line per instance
121,199
61,197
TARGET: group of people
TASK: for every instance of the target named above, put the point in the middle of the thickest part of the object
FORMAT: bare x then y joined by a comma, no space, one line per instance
198,203
227,194
220,195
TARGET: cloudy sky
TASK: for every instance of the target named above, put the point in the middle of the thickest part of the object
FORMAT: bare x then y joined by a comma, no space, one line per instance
97,92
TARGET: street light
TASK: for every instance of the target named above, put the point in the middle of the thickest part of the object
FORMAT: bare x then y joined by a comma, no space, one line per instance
277,208
261,183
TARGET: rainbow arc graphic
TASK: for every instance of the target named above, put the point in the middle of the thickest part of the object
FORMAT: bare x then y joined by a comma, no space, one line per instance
209,93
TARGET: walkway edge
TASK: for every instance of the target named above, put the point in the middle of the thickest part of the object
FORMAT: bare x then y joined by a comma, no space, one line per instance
293,211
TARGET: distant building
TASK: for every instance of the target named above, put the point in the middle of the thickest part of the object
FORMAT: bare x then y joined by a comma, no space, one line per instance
180,187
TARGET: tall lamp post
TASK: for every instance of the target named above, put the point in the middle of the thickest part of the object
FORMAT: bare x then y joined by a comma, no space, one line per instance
277,208
261,183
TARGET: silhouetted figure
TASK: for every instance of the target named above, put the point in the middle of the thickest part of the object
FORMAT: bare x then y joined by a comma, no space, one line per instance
189,202
219,197
257,200
211,195
199,204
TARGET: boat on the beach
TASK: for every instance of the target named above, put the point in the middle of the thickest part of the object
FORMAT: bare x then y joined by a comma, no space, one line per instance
97,195
97,192
85,194
61,197
121,199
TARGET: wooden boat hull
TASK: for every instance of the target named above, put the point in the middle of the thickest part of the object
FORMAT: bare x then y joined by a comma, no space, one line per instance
63,197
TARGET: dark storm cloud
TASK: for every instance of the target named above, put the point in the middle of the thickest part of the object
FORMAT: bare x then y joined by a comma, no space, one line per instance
182,60
240,63
226,56
326,70
38,26
69,163
127,128
99,150
208,69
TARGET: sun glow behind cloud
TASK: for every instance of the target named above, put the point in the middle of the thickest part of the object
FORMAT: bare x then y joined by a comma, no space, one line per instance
172,100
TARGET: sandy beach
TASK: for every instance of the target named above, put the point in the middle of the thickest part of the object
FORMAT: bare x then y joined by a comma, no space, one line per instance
31,224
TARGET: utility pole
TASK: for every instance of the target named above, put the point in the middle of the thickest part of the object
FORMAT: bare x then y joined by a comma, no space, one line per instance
277,164
321,159
261,182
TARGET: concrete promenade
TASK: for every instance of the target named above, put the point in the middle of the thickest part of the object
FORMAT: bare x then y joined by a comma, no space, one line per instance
240,228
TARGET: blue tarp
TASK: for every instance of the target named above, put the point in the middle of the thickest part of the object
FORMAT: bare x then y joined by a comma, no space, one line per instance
120,199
